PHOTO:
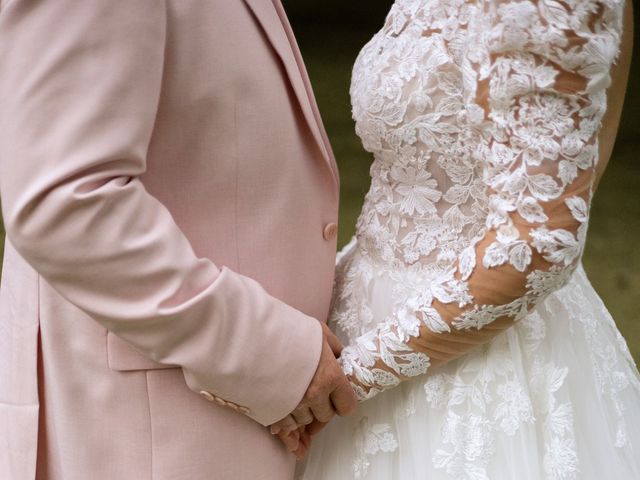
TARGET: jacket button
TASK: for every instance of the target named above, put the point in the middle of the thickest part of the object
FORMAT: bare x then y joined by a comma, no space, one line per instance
330,231
220,401
207,395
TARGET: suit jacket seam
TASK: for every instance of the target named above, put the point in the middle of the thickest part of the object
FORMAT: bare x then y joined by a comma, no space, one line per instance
151,441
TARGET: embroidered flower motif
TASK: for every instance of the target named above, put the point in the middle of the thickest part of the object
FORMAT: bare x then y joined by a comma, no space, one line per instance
371,440
491,153
479,140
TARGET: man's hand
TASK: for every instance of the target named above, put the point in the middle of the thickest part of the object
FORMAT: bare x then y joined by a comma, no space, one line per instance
299,441
329,392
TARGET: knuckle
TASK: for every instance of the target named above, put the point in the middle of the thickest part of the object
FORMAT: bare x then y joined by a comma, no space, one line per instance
315,391
301,412
310,396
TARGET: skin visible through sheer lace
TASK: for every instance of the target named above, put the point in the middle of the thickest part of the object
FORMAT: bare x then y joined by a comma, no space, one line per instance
484,119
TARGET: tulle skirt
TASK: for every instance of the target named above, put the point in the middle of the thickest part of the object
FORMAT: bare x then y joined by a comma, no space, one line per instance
555,397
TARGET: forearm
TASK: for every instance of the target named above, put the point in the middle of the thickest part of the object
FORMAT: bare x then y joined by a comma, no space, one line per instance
537,149
80,84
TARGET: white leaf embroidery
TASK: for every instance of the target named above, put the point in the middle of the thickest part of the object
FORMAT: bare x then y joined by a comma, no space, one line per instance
531,211
543,187
520,257
454,166
579,208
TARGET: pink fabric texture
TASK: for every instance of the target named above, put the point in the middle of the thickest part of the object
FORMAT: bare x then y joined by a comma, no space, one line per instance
166,183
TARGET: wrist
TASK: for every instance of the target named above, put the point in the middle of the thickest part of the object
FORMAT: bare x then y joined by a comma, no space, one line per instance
361,377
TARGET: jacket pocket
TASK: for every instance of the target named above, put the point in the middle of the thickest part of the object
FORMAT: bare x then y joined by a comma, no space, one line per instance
123,357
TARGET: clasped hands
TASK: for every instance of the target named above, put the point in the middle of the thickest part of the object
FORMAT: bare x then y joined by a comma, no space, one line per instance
328,394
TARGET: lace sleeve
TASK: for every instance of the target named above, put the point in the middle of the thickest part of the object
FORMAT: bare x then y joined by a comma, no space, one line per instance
540,90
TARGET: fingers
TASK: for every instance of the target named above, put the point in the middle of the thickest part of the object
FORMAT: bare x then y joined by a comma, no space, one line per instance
344,398
328,393
319,414
303,446
323,411
302,415
287,424
333,341
297,442
291,440
318,392
315,427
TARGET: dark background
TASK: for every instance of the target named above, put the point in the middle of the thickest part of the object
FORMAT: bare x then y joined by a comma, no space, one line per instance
332,32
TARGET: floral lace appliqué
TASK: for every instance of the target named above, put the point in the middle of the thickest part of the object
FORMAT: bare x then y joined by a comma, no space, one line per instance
483,119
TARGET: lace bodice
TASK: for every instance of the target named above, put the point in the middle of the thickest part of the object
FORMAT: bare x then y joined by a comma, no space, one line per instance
483,118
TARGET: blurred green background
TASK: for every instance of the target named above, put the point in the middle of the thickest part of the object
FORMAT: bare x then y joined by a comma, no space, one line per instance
331,33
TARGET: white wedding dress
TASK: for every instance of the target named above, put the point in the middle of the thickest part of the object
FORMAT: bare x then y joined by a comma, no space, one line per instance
462,299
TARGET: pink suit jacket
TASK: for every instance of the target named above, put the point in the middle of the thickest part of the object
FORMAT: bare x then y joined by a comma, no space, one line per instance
170,200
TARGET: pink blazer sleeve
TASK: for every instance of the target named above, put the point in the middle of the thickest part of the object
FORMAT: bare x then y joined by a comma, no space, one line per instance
79,89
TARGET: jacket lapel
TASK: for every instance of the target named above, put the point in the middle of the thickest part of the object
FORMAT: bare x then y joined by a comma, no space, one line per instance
271,17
